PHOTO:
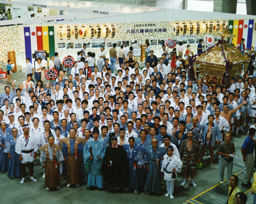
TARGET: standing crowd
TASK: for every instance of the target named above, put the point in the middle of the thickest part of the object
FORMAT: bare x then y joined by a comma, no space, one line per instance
125,127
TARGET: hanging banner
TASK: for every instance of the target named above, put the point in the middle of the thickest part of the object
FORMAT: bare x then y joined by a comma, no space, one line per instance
208,41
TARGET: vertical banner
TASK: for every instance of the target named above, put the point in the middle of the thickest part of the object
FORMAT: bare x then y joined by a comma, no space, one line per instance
235,32
33,39
27,43
245,31
39,38
230,28
208,41
45,38
240,31
250,34
51,41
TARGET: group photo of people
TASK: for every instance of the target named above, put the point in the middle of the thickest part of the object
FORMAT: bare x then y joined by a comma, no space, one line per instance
128,102
112,125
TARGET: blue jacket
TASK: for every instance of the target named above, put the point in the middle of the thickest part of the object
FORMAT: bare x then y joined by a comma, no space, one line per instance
53,125
176,139
158,137
148,59
215,136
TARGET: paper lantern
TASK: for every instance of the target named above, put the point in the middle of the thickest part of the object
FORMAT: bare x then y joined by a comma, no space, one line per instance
68,33
60,33
76,32
198,28
191,29
211,27
177,29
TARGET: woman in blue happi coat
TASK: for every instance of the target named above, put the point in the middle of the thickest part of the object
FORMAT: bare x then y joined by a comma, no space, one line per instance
134,155
4,161
14,160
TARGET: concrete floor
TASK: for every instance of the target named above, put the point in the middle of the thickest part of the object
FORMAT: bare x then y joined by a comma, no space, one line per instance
208,190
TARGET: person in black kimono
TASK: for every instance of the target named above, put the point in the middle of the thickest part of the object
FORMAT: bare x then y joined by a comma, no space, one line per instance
116,163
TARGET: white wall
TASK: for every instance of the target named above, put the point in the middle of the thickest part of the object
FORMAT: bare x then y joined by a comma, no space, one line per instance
241,8
173,4
23,12
200,5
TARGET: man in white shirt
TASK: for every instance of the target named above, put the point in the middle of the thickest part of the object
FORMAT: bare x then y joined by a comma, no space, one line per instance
101,55
126,50
84,50
240,83
51,63
120,55
29,67
164,50
90,59
130,132
26,147
57,94
167,142
148,68
161,67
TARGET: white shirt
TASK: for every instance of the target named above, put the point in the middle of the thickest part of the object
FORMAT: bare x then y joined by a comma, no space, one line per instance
44,63
126,50
175,149
51,64
126,142
161,66
120,53
204,117
170,163
169,127
37,66
132,134
150,70
36,132
222,123
80,65
29,68
99,54
23,144
90,61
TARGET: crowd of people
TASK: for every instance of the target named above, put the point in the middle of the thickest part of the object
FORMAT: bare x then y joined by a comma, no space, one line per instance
118,126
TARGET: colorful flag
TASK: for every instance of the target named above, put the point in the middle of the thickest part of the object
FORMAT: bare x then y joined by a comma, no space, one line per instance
39,38
241,29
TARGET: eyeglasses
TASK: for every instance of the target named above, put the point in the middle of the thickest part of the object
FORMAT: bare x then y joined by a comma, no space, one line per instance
129,126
